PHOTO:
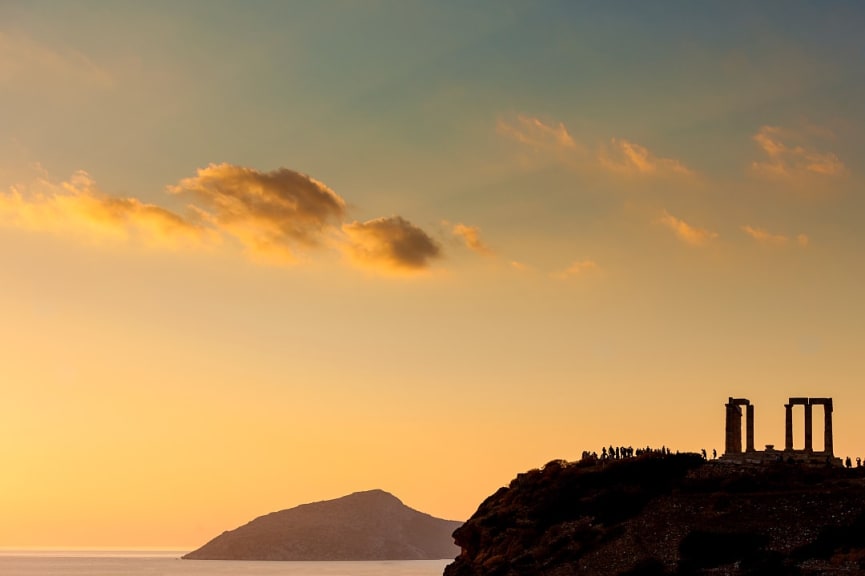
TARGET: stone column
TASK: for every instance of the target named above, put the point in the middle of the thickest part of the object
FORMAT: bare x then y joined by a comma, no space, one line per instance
749,428
827,434
734,428
809,444
728,429
737,429
788,428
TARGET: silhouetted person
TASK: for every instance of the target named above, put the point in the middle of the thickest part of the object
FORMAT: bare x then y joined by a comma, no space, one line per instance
714,454
848,462
858,462
703,452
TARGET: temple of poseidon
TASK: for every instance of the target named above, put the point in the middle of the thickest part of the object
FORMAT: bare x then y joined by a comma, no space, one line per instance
733,451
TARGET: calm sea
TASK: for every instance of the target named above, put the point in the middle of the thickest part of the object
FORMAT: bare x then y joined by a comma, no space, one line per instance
145,563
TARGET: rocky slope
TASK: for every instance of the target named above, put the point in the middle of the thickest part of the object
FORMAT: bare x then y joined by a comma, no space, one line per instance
371,525
668,515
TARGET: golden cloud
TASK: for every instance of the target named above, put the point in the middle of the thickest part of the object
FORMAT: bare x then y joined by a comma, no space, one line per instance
685,232
76,206
627,157
390,244
764,237
619,155
270,213
471,237
789,155
537,134
577,268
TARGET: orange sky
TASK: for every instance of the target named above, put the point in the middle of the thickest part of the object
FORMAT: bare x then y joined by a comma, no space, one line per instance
257,258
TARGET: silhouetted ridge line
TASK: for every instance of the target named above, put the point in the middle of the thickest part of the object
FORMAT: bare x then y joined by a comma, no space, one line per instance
668,514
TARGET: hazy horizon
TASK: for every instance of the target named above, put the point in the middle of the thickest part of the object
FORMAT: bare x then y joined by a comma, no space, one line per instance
256,256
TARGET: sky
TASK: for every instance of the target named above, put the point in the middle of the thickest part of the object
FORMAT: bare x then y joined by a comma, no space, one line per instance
258,254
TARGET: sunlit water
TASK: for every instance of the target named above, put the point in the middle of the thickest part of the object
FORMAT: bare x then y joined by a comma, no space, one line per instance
122,563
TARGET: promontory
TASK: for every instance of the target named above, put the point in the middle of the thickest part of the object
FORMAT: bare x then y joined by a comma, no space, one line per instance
662,514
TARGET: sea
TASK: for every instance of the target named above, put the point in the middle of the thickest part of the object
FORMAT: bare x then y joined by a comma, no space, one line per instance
168,563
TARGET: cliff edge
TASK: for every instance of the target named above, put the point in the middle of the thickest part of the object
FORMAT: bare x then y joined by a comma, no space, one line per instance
665,515
372,525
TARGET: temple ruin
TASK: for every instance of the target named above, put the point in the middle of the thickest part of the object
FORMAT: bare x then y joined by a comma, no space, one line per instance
733,451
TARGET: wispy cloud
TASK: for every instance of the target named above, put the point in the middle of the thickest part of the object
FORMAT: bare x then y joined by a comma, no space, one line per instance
22,57
555,142
764,237
621,155
788,154
576,268
77,207
272,215
390,244
536,133
686,232
471,237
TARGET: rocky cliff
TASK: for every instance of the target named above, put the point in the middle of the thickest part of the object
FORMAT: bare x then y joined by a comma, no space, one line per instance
668,515
371,525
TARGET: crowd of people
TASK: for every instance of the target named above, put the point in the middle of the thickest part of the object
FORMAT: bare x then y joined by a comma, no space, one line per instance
622,452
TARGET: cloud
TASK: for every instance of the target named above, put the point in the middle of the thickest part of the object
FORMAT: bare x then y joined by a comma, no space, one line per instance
270,213
471,237
390,244
576,268
618,156
685,232
764,237
24,58
537,134
789,155
627,157
76,206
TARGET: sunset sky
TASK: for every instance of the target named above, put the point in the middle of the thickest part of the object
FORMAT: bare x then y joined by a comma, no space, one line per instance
259,254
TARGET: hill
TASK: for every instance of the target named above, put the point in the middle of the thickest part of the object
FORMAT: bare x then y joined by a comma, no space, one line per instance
668,515
371,525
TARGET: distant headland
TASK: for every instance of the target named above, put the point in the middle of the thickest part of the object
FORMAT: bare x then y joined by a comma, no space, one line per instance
371,525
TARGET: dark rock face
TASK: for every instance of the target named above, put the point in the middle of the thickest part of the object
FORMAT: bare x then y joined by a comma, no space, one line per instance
668,515
371,525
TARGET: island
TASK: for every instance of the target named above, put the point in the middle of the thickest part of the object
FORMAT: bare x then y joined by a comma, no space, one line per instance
370,525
